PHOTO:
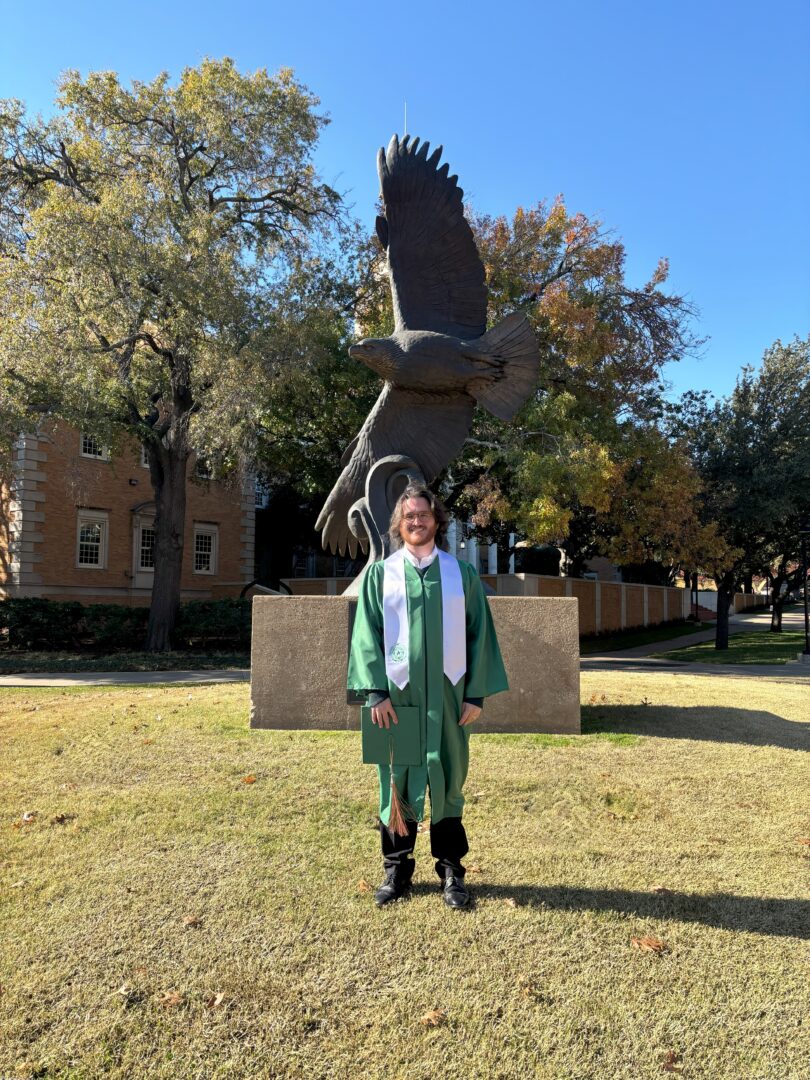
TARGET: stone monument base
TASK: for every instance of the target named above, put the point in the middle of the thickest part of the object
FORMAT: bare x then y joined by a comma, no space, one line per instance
299,658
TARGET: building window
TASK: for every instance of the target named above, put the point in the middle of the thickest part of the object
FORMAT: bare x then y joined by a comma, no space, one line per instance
202,469
92,448
146,557
91,540
205,549
262,493
144,458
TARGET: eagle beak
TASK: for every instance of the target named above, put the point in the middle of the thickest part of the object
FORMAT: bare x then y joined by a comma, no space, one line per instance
358,351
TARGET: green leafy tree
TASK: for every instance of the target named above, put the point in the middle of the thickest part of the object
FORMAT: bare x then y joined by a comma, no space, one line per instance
157,247
752,453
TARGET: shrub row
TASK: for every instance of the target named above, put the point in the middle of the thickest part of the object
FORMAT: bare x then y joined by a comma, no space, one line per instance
36,623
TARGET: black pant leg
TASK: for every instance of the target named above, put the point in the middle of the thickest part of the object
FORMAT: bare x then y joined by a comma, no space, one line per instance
397,850
448,846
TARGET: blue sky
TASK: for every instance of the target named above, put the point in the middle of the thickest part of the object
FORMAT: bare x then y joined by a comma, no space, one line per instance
682,126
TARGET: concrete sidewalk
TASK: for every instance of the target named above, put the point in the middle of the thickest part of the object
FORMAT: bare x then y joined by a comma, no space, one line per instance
745,621
645,657
651,664
126,678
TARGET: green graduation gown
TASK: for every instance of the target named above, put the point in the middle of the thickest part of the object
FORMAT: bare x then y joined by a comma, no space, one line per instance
428,688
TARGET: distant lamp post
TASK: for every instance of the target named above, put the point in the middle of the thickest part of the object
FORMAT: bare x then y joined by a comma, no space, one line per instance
804,532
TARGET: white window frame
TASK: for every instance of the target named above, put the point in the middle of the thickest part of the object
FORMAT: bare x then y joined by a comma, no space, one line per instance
104,451
93,517
144,459
213,532
145,525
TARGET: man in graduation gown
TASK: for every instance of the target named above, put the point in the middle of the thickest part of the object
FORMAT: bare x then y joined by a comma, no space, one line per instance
423,636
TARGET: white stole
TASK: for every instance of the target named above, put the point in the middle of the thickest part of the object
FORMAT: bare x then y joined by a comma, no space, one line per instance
396,627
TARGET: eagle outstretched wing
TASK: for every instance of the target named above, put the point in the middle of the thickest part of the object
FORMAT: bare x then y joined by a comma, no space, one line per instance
430,428
436,274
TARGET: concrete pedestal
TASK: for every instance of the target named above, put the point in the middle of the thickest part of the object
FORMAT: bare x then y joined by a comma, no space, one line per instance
300,649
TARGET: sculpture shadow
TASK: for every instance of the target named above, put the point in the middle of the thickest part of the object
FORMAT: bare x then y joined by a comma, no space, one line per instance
711,723
753,914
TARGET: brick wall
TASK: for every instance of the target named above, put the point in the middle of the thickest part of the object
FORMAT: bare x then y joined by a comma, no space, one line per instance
603,606
53,481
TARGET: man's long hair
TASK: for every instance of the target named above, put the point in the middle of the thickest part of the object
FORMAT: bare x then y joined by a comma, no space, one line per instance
417,491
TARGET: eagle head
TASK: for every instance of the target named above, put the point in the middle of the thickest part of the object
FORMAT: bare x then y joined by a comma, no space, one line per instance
382,355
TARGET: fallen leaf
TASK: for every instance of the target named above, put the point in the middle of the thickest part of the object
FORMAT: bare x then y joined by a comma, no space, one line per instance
62,819
214,1001
476,869
648,944
171,999
249,779
363,886
141,970
17,884
129,994
434,1018
662,890
672,1062
192,920
158,716
28,816
510,901
146,742
803,839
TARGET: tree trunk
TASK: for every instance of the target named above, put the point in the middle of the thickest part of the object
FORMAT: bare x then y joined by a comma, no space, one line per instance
724,597
168,472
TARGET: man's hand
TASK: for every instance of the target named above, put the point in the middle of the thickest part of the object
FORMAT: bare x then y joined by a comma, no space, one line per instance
469,713
383,714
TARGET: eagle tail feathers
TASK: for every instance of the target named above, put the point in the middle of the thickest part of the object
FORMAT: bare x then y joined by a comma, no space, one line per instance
513,348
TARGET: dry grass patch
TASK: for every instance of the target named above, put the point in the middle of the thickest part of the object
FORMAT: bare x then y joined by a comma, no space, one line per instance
163,916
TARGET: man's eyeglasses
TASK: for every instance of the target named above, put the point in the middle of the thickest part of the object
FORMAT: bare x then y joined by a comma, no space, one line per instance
426,515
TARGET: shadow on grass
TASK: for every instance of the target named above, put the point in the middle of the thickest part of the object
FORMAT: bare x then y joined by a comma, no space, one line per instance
753,914
711,723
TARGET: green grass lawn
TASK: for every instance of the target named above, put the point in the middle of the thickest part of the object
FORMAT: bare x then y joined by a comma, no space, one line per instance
630,639
744,647
14,662
161,916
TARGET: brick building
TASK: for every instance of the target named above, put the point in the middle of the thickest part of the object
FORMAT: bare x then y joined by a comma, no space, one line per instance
78,524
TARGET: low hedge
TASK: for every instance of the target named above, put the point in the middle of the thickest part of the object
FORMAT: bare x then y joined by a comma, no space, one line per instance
37,623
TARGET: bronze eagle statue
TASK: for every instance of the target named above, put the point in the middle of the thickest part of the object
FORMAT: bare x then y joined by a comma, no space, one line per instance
439,361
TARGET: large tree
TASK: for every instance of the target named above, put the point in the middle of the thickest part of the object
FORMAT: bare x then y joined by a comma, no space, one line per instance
157,245
752,452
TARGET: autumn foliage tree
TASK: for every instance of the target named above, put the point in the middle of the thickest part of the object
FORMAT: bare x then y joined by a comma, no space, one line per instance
584,464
